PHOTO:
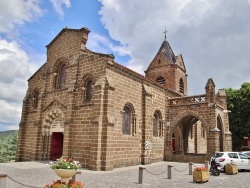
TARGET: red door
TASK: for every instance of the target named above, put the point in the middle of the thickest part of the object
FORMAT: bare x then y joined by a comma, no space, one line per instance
56,146
173,145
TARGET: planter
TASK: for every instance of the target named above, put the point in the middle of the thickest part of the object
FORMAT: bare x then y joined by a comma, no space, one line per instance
65,174
200,176
231,169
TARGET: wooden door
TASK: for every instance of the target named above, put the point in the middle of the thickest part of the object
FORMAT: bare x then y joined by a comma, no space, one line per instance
56,145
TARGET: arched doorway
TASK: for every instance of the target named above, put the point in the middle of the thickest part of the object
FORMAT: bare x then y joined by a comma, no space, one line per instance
52,132
188,137
56,145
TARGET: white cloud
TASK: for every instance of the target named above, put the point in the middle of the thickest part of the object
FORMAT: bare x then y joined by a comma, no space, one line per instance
102,44
14,73
57,4
211,35
17,12
10,115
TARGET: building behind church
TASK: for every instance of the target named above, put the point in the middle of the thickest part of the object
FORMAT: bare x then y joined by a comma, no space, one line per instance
83,104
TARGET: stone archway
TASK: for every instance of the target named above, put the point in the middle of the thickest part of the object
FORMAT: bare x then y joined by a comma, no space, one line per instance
190,132
52,134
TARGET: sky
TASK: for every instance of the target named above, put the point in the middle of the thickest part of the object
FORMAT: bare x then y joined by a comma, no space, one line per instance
213,37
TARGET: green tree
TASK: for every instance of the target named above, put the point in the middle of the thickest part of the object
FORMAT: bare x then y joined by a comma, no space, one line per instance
8,146
238,102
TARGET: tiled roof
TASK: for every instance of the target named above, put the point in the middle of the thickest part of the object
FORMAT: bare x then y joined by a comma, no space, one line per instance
167,51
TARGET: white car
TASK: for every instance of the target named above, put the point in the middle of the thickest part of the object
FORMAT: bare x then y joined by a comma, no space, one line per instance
246,153
240,159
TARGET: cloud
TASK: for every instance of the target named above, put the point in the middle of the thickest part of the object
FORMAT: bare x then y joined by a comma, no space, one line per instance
14,73
16,12
10,114
211,35
57,4
102,44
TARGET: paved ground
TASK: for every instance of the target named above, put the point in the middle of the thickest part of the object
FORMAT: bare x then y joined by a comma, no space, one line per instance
38,174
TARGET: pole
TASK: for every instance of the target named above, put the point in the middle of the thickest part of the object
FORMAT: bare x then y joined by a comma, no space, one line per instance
141,169
3,177
190,168
169,171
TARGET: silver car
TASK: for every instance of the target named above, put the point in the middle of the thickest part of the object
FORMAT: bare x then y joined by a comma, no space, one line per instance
240,159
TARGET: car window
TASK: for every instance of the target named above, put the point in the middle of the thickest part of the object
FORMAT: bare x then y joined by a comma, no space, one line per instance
218,154
233,155
247,154
242,156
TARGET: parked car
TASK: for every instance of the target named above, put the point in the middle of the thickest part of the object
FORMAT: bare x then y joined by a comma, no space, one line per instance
240,159
246,153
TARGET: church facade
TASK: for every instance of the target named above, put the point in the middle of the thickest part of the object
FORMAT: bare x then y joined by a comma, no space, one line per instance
83,104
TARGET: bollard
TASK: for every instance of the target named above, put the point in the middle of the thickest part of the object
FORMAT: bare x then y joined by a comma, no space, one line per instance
190,168
169,171
141,169
74,177
207,164
3,178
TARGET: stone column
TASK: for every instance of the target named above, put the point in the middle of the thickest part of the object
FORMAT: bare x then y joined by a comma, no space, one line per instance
215,141
146,126
97,125
108,127
67,140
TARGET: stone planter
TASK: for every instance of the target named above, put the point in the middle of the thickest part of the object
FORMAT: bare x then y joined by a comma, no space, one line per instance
231,169
65,174
200,176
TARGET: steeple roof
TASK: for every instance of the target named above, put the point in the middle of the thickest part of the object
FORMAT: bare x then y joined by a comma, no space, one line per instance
167,52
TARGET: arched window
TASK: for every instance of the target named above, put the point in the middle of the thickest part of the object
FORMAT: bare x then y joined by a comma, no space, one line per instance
157,125
35,99
126,120
89,91
181,86
129,120
88,82
62,76
161,81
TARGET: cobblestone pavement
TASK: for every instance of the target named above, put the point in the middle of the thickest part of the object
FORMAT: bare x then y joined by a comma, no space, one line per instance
38,174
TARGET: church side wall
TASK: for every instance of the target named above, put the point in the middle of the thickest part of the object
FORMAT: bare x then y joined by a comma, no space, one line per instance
128,90
159,103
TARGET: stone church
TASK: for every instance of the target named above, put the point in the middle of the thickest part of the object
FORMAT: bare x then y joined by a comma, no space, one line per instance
83,104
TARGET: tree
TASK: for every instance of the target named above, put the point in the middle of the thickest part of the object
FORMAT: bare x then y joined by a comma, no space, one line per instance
8,146
238,102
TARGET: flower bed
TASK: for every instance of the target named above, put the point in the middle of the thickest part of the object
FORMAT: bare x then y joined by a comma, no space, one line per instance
65,163
65,168
231,168
200,174
71,184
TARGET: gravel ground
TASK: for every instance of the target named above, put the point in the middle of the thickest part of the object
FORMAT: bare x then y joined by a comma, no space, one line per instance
38,174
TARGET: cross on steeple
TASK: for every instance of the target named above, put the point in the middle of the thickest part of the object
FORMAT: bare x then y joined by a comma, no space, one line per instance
165,32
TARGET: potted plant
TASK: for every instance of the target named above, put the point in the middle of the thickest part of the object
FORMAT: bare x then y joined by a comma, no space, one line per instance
65,167
231,168
71,184
200,174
